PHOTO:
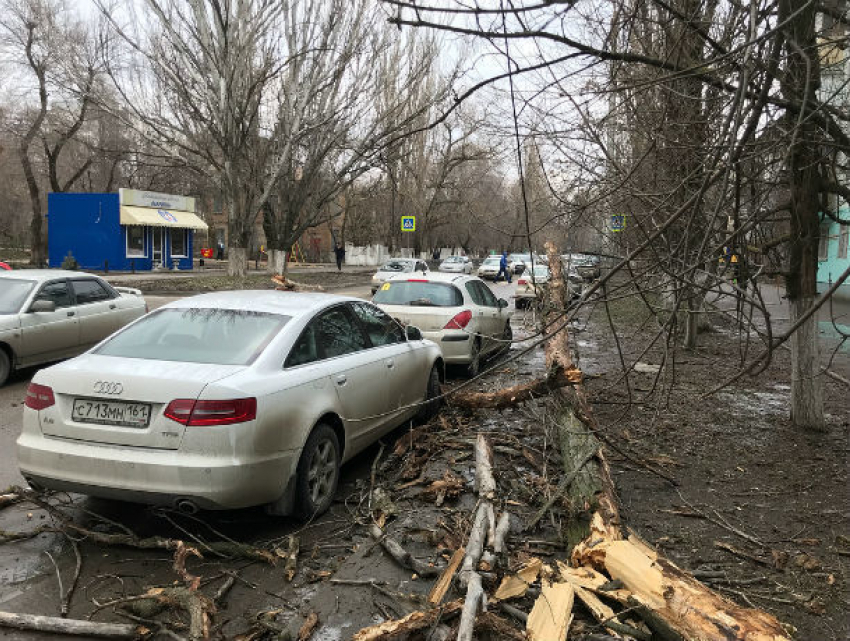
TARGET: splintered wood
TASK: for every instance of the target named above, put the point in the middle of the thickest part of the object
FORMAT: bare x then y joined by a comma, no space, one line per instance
660,590
552,613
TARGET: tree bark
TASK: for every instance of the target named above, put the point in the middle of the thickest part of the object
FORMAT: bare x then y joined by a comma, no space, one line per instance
237,261
806,383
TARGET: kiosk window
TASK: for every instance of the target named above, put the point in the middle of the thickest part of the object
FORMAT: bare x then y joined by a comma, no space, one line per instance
178,242
135,241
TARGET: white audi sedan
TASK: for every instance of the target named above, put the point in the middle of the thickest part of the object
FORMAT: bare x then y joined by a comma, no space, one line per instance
50,314
227,400
456,311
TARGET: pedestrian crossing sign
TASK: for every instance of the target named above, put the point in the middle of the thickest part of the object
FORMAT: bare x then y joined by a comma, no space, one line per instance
408,223
618,222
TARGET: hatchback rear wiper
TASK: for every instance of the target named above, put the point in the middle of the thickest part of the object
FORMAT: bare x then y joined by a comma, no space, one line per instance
421,302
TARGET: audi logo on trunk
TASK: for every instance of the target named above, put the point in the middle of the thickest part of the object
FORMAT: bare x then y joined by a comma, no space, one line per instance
108,387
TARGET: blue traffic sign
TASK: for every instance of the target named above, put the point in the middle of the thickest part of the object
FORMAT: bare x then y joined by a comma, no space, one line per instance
408,223
618,222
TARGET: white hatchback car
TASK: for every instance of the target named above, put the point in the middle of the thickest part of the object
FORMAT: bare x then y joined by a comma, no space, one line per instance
50,314
227,400
457,312
397,266
456,265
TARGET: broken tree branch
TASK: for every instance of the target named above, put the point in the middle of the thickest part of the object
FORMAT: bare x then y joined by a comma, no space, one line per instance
401,556
520,393
73,627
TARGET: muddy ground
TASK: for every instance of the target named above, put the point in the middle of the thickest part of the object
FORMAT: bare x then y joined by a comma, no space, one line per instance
738,463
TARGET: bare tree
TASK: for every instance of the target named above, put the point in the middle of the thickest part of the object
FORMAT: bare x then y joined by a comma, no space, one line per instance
60,55
707,72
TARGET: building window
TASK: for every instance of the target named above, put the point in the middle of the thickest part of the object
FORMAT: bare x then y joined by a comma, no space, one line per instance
843,238
179,243
823,245
135,241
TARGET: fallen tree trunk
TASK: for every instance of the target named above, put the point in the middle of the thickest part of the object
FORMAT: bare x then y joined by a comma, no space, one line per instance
672,602
73,627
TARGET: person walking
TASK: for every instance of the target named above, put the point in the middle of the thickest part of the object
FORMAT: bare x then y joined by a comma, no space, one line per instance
503,268
339,252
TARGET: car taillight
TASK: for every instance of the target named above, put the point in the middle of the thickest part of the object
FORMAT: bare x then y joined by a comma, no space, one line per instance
204,413
522,281
460,320
39,396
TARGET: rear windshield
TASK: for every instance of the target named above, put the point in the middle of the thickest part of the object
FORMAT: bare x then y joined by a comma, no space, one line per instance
218,336
397,266
491,261
13,293
418,294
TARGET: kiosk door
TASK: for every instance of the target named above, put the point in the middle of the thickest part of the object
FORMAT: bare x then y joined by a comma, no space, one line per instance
158,244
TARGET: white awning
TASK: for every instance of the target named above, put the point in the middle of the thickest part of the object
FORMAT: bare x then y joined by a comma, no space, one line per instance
148,216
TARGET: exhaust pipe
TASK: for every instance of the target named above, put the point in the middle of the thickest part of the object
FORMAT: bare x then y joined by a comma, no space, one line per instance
186,506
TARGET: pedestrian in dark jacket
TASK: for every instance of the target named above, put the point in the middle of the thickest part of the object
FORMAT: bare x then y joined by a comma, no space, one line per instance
503,268
339,252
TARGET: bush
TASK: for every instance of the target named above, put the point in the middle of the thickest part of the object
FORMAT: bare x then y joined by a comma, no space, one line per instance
70,263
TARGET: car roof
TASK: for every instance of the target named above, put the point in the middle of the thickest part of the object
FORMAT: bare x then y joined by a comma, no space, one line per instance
41,275
437,277
401,260
263,300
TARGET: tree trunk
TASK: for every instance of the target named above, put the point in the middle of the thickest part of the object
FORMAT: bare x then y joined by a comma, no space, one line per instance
806,387
799,84
237,261
37,221
277,261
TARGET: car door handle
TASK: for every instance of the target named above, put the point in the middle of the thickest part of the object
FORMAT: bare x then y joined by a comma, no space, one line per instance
390,363
71,313
113,306
341,379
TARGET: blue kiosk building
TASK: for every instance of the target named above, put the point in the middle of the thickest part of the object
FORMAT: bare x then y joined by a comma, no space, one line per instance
130,230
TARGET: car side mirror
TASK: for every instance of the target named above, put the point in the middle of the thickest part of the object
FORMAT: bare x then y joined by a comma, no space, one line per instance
43,306
502,303
413,333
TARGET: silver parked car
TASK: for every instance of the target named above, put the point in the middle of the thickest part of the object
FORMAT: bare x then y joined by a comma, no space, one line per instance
50,314
456,265
228,400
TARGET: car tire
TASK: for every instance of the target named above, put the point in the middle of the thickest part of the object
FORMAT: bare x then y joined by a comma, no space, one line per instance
432,403
475,364
318,473
5,367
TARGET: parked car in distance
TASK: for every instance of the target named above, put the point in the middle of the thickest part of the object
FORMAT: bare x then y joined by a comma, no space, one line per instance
585,264
228,400
398,266
489,267
531,287
50,314
458,312
456,265
518,263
